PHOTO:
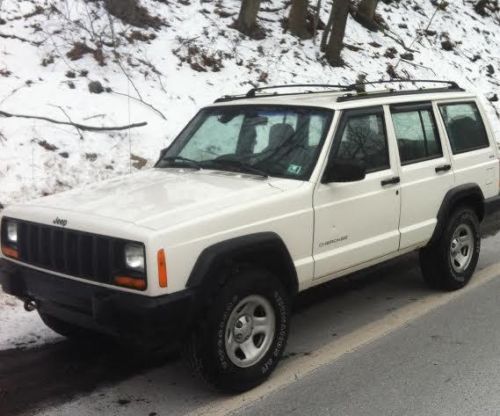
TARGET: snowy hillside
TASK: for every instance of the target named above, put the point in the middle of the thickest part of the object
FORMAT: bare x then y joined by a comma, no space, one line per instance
183,55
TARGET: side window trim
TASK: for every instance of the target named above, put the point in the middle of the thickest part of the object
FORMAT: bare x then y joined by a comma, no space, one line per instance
425,105
358,112
473,103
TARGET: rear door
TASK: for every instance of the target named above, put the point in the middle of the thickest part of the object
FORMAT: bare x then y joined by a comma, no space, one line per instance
473,155
426,172
357,222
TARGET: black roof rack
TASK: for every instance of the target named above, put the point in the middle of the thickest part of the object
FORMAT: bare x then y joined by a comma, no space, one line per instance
353,91
252,92
451,86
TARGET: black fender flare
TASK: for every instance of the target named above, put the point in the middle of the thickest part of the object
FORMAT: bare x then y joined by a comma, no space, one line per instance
256,246
469,193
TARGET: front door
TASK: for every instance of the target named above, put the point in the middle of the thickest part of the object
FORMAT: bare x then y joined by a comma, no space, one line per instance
357,222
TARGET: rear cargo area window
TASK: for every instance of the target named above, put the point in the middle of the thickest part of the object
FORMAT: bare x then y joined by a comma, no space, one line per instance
464,126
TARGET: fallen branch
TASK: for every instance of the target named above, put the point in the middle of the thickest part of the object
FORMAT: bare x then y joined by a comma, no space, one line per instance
398,40
416,65
77,125
8,36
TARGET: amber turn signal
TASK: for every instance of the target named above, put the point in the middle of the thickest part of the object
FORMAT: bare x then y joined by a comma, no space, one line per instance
162,268
131,282
10,252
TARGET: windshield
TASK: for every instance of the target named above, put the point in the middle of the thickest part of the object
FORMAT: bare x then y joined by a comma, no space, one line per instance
263,140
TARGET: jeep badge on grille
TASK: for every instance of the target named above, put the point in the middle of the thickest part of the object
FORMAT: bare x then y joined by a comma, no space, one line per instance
59,221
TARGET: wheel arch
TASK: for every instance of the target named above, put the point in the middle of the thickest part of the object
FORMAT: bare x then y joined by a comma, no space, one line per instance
265,249
469,194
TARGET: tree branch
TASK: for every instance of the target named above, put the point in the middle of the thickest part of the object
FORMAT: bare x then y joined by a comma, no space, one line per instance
69,119
142,102
77,125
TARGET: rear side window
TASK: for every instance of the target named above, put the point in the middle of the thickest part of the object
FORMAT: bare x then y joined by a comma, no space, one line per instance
363,138
464,126
416,134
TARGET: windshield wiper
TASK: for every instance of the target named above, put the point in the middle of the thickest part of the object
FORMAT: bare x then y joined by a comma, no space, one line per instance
237,164
192,163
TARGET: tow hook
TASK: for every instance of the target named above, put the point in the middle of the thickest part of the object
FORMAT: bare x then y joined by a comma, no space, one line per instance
30,305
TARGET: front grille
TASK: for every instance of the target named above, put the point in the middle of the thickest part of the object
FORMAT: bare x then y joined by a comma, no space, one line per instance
76,253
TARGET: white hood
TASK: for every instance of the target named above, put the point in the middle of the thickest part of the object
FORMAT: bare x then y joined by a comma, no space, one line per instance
163,197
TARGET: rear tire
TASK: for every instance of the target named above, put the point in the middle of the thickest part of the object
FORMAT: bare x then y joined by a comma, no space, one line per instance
448,264
243,333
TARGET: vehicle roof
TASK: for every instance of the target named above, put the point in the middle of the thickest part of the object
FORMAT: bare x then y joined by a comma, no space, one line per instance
336,100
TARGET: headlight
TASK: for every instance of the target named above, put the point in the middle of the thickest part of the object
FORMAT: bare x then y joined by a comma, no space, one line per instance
11,233
134,257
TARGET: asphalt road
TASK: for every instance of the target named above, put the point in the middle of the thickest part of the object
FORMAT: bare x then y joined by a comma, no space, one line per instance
378,342
445,363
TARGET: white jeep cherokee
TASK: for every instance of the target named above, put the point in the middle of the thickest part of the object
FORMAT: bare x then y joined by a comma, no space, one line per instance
260,197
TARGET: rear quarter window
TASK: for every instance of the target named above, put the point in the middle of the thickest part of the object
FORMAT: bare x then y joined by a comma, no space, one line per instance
465,126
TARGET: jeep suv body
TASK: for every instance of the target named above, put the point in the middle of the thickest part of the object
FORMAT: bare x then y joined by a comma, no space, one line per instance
260,197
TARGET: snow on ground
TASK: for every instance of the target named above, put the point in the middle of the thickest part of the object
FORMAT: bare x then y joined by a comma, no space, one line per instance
20,329
51,50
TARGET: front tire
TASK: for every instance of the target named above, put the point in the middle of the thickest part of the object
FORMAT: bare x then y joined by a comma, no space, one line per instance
243,334
449,263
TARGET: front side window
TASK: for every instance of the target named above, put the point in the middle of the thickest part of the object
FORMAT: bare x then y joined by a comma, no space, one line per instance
464,126
416,134
270,140
363,138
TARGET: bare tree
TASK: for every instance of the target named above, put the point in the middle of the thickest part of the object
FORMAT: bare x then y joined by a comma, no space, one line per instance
316,19
247,19
297,19
365,14
338,20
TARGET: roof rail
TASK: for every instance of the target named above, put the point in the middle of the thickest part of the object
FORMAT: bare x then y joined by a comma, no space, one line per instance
392,93
451,84
361,93
251,93
353,91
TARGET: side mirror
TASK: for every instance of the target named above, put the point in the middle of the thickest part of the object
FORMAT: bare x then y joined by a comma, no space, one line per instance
341,170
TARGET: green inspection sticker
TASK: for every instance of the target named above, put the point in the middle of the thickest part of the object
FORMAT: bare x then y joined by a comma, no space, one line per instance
294,169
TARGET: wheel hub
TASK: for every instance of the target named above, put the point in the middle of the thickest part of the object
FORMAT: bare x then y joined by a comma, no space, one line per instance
243,328
250,331
461,248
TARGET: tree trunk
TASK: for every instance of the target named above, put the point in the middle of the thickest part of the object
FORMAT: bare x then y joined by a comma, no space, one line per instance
367,8
297,19
339,14
365,14
326,32
316,19
247,19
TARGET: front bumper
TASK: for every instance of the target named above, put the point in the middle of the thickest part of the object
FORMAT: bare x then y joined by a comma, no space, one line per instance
162,320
